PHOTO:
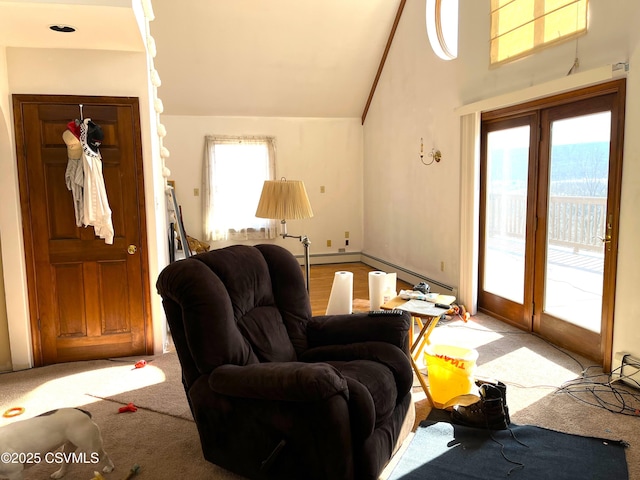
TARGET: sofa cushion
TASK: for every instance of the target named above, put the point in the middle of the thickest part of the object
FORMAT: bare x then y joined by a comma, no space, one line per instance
289,291
196,301
265,331
252,300
246,291
371,386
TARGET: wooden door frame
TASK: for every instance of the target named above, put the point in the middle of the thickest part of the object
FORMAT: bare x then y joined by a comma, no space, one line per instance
614,194
28,239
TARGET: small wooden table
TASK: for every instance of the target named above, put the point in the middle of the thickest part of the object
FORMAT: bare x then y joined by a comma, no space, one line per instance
426,316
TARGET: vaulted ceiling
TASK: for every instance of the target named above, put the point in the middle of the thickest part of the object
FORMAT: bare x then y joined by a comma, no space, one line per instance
311,58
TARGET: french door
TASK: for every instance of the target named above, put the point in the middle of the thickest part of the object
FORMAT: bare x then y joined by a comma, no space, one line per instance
550,194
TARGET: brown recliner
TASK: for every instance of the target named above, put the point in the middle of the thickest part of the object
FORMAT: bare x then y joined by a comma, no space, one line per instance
275,392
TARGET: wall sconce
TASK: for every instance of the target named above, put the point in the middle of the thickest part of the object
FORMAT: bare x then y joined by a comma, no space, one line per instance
435,155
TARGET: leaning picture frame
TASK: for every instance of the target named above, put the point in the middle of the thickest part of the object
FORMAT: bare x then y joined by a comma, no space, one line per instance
176,225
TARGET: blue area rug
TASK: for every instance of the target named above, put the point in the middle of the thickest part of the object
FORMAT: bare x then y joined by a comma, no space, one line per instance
444,451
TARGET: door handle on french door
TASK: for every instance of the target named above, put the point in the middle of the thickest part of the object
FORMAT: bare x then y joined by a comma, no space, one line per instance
131,249
606,241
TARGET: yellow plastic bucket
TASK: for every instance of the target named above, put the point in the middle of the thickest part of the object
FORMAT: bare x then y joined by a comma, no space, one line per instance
451,371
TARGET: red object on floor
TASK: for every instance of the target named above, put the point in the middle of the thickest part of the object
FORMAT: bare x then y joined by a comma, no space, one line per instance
140,364
128,408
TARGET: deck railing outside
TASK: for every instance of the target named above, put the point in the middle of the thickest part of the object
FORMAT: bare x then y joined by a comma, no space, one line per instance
575,222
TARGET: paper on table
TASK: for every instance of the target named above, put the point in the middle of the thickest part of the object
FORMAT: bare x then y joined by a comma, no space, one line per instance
429,297
421,307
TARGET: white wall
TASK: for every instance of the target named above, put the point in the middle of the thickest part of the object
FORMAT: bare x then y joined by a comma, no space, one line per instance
416,97
6,185
320,151
626,334
71,72
411,210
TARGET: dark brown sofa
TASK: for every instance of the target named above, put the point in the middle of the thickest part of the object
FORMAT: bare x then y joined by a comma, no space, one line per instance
275,392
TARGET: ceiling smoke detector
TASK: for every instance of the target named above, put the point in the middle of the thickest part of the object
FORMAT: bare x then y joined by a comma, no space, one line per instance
62,28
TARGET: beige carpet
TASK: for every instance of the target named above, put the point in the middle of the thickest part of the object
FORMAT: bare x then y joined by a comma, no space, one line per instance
162,438
533,370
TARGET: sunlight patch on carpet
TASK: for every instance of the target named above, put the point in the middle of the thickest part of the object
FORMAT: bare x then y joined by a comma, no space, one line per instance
73,390
468,335
539,381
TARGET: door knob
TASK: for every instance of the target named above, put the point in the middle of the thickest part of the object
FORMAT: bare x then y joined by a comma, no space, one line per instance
131,249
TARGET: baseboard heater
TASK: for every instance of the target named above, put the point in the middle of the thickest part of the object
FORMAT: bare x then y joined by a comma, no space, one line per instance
626,368
409,276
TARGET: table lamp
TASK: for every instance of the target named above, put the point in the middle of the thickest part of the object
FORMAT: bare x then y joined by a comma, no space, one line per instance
286,200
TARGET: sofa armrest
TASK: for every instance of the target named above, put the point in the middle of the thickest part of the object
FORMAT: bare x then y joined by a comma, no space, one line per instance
381,352
288,381
359,327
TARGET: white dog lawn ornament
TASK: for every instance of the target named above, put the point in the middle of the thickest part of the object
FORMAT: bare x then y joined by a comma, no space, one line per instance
35,440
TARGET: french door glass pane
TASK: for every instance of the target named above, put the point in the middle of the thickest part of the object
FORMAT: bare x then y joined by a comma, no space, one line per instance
506,212
576,219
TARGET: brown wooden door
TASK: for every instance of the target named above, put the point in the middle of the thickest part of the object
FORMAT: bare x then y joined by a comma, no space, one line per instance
87,299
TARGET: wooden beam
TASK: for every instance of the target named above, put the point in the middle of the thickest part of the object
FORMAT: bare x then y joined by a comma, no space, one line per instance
384,58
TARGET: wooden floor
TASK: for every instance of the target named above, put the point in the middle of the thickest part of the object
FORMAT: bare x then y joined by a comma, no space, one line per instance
322,280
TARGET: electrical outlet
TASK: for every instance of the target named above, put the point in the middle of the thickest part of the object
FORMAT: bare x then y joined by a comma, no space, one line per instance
328,243
341,250
626,368
346,242
442,266
321,188
196,192
346,234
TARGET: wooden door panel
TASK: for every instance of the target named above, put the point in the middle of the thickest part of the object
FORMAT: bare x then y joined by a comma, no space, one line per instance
58,203
114,297
71,317
88,299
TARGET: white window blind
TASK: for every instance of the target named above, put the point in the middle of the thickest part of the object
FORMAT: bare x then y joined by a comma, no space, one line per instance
234,171
520,27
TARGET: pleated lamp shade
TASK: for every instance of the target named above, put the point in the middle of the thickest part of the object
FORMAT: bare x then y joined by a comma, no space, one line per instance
284,200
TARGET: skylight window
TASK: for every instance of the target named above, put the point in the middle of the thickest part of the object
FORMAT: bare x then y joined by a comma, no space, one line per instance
442,27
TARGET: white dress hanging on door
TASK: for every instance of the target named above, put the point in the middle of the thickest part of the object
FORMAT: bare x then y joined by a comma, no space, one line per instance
96,205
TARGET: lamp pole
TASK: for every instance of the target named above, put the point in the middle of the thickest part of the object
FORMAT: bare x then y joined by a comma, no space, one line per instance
305,243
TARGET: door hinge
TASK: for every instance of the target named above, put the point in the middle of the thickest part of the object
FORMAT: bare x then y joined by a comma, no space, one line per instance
39,324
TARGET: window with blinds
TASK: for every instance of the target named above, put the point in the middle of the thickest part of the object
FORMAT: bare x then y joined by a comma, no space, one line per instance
521,27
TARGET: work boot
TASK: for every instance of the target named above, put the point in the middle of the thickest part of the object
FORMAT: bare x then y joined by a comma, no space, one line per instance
503,392
488,412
